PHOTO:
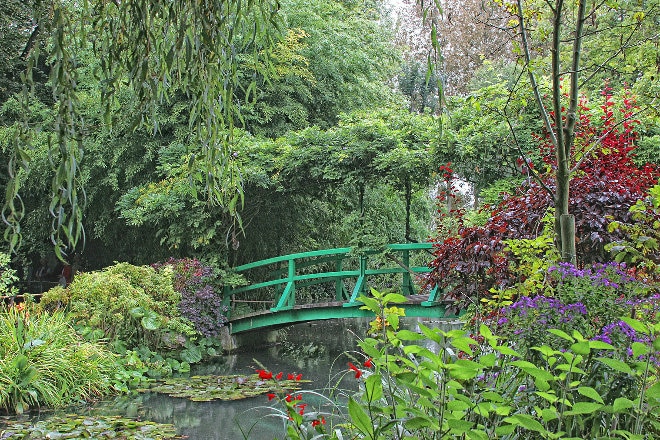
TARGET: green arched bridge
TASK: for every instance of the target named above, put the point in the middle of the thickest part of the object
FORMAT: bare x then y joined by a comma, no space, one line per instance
325,284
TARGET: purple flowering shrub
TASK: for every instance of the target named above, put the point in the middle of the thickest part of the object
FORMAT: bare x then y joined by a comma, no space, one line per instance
527,320
591,300
201,302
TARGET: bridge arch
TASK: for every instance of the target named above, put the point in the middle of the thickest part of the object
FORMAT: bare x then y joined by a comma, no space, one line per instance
274,300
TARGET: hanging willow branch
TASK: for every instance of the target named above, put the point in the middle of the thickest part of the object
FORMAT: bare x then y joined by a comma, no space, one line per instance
157,48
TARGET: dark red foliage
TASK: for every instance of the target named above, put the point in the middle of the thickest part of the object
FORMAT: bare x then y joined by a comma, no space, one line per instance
471,261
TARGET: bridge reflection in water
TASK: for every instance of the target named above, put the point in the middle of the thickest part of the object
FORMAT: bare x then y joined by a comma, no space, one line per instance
337,277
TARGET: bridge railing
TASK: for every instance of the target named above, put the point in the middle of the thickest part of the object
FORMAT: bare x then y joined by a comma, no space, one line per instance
293,272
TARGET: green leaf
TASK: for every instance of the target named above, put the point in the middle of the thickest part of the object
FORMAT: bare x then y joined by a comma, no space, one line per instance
600,345
463,344
369,304
373,388
561,334
433,334
621,404
137,312
508,351
552,398
525,421
151,320
420,422
395,298
549,414
636,325
459,426
584,408
492,396
654,391
581,347
479,435
192,354
505,430
639,349
533,370
485,332
615,364
590,393
360,418
407,335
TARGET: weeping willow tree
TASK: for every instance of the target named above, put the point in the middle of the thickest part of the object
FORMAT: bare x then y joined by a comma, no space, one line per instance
156,49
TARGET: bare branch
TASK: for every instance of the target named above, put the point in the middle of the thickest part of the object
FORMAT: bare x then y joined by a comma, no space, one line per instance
532,78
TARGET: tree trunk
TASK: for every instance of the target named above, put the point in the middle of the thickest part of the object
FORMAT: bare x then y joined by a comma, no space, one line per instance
408,203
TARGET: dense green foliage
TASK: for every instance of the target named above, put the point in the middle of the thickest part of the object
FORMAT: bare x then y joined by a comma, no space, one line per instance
433,384
45,362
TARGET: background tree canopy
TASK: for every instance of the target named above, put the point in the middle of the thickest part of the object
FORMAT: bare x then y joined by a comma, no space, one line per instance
238,130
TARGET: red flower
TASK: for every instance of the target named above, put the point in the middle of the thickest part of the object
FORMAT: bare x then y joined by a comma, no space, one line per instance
263,374
352,367
302,408
368,363
271,396
288,398
318,422
279,375
299,377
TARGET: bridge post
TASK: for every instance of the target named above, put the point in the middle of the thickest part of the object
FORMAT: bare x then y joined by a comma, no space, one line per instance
360,284
340,290
407,287
288,298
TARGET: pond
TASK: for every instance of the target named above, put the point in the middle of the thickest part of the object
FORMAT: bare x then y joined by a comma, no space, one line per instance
320,351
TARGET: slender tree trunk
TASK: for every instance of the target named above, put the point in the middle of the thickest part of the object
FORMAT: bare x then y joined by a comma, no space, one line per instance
562,133
408,203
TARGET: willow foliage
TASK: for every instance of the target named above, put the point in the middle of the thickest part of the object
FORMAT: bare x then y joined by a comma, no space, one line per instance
157,48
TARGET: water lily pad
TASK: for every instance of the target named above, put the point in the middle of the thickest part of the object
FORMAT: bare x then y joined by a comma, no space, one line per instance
90,427
233,387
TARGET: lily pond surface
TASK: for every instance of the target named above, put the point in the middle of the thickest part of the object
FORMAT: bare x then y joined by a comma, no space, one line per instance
319,351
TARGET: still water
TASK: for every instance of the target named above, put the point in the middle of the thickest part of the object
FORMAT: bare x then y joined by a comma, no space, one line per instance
320,351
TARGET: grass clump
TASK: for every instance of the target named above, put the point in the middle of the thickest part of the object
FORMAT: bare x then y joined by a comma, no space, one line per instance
44,362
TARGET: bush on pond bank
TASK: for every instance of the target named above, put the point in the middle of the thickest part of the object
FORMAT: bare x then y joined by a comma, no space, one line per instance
44,362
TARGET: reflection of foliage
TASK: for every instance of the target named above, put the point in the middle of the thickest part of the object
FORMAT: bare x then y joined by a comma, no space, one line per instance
305,351
89,427
234,387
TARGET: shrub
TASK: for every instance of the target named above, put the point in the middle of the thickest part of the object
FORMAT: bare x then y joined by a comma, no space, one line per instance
44,362
472,262
201,301
7,276
132,306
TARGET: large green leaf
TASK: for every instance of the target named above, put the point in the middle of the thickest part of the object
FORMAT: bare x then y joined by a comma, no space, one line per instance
360,418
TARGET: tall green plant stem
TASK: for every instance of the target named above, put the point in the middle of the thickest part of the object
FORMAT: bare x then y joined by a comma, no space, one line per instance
562,134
